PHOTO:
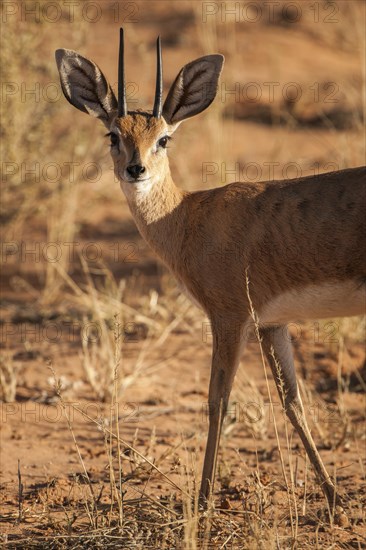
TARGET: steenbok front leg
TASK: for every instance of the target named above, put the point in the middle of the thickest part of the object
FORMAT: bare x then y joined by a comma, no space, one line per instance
228,342
277,347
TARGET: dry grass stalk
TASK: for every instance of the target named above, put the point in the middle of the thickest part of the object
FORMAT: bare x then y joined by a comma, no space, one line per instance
256,325
8,379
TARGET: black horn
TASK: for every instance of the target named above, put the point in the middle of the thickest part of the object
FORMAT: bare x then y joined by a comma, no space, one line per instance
122,102
159,81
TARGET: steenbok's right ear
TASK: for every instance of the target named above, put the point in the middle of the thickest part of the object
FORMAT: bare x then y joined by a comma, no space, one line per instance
85,86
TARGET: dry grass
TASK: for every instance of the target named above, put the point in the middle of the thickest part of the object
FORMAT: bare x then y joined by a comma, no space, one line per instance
8,379
115,511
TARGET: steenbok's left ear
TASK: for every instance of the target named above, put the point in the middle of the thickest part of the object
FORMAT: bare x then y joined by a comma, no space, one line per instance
194,89
85,86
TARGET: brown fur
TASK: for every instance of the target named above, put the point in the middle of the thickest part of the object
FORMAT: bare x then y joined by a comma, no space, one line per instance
284,234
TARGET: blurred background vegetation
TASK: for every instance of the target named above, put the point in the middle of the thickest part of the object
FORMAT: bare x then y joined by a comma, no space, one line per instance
290,102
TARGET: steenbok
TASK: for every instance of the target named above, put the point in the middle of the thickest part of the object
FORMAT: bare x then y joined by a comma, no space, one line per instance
320,217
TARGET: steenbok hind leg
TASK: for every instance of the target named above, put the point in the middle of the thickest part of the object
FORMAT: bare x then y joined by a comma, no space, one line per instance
277,347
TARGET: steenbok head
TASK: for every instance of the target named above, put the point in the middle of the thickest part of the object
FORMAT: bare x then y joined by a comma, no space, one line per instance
139,138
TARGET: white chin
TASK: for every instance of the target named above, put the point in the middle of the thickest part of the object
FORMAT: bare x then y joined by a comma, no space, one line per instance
141,187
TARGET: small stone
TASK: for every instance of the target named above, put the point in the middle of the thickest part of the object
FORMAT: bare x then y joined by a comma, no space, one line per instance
225,504
340,517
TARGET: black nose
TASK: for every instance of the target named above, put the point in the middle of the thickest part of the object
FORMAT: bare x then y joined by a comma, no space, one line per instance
135,170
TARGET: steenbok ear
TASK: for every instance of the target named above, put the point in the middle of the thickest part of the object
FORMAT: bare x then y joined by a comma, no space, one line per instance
85,86
194,89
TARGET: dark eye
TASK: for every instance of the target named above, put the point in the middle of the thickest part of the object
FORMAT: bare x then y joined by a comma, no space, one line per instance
163,141
114,138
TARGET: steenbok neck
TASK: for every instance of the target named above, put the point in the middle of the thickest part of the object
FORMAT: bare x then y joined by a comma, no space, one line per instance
159,214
